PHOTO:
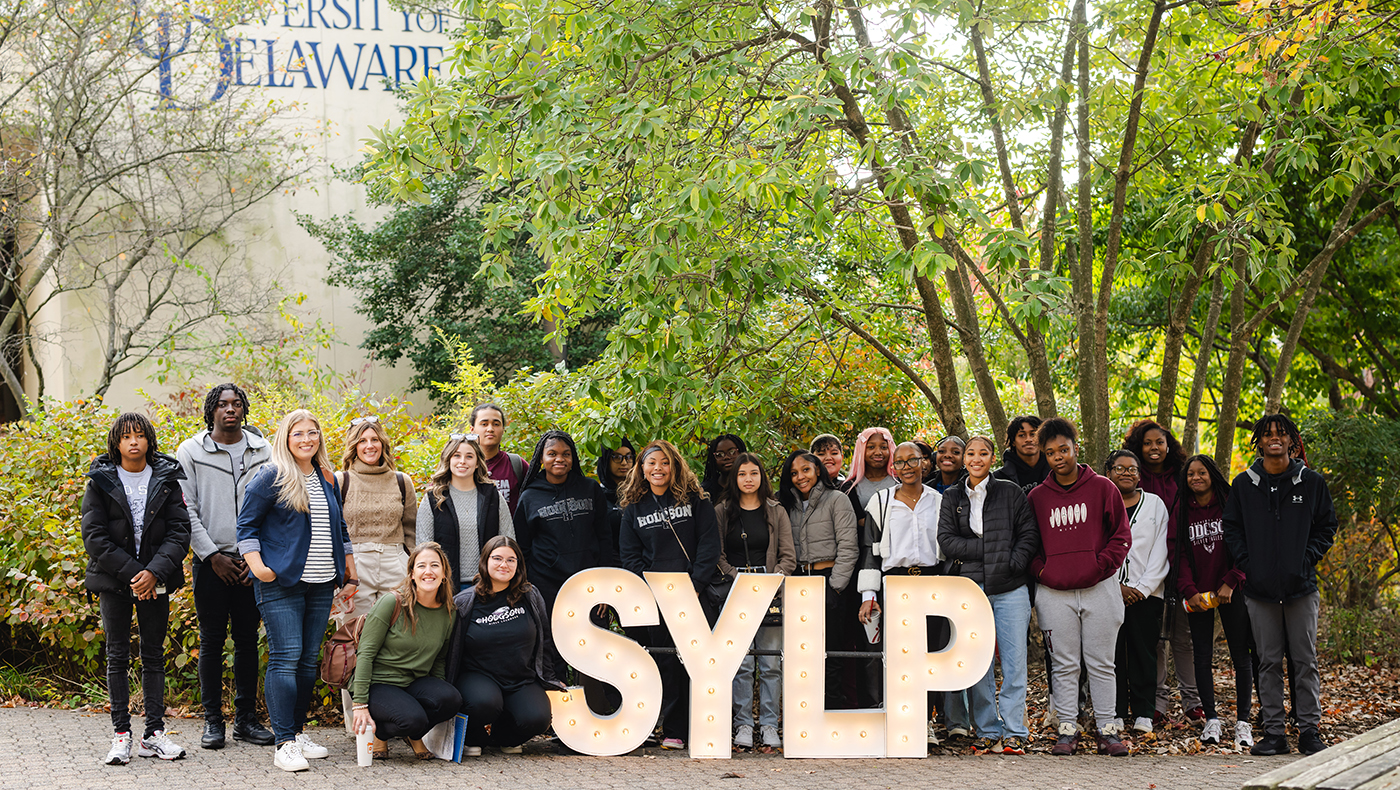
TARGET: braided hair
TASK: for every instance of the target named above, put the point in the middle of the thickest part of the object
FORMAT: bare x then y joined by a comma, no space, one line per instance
211,402
536,468
713,476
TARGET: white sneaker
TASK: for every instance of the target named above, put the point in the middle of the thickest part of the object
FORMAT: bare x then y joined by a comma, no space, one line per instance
158,745
1244,735
310,749
770,737
471,751
288,757
1142,724
512,749
933,734
957,731
743,736
1211,732
120,753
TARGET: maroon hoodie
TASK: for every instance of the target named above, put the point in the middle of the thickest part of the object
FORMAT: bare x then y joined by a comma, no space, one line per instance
1084,531
1210,564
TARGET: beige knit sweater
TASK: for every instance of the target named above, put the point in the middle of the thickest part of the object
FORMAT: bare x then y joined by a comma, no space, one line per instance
374,510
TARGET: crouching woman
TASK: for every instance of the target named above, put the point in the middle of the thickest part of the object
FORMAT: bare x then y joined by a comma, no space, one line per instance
400,687
497,653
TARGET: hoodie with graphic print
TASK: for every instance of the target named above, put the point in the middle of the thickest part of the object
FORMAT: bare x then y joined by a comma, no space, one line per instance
1084,531
563,529
1210,563
659,534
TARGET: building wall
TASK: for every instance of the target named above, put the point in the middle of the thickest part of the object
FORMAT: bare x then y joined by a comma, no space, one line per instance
332,58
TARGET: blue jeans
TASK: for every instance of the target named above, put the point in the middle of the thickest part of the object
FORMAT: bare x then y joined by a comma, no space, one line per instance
1000,715
295,618
770,680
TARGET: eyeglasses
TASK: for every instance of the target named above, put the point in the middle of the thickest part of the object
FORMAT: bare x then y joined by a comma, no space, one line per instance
726,453
1125,470
312,434
502,560
909,462
371,418
462,437
628,459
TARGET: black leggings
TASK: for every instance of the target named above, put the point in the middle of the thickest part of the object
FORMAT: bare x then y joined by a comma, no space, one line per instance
515,716
152,622
411,712
1234,620
675,682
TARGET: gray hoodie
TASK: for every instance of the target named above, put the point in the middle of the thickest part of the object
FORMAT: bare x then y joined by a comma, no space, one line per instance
210,493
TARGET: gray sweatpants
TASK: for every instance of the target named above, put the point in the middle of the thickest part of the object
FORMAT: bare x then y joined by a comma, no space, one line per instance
1184,661
1269,620
1082,625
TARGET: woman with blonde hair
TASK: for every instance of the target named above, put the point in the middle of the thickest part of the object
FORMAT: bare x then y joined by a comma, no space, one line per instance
400,687
379,505
293,537
463,509
668,524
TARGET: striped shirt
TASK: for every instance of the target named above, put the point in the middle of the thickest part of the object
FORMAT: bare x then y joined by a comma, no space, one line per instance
320,557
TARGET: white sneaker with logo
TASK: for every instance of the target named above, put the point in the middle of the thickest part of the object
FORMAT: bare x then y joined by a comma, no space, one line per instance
158,745
310,749
1211,732
120,753
288,757
1244,735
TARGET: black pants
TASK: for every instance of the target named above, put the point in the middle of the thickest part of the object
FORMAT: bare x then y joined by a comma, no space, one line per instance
675,682
152,622
515,716
603,698
411,712
1136,659
220,606
1234,620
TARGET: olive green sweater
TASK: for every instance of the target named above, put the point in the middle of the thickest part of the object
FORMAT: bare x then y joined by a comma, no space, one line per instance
400,655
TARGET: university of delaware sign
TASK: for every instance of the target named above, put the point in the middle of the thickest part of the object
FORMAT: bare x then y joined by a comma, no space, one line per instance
331,45
712,657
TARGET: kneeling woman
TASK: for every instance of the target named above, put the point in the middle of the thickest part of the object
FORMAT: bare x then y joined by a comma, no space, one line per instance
497,653
400,688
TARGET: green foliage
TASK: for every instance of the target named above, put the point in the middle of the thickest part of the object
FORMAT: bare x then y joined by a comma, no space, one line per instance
1360,636
420,275
1359,454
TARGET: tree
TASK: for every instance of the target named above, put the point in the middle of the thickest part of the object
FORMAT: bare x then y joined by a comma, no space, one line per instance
129,152
414,275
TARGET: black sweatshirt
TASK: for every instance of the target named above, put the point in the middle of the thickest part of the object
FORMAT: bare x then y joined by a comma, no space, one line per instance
1015,470
563,529
647,544
1278,527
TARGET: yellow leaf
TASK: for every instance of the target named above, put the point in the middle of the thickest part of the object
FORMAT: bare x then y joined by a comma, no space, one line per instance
1200,213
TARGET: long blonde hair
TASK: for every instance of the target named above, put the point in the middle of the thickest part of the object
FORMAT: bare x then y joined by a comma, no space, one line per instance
442,475
683,481
352,441
290,484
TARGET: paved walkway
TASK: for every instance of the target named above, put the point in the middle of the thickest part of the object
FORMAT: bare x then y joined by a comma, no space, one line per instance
62,749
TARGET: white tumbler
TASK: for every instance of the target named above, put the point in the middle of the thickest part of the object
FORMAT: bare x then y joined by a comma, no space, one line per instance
364,746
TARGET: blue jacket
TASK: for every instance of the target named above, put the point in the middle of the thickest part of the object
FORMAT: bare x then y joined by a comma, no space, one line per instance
283,535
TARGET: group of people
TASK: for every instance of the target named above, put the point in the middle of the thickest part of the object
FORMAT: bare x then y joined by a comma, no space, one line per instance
1156,544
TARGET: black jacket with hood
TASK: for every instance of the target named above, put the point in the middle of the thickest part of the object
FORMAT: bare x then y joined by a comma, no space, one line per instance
1278,527
999,557
1014,470
562,529
110,537
647,541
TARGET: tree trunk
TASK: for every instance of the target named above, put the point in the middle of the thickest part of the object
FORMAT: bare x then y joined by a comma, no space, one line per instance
1191,434
1082,271
966,312
1176,334
1115,232
1233,382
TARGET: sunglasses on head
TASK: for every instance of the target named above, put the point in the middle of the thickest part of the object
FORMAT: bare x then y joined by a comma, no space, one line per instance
462,437
359,420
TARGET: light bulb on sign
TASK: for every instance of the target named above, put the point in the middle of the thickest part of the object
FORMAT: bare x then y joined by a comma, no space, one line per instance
854,733
612,658
712,657
911,670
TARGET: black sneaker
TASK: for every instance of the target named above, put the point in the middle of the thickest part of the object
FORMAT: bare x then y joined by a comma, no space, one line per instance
251,731
213,737
1309,742
1270,745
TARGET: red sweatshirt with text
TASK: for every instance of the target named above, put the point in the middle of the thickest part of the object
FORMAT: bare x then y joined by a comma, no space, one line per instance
1084,531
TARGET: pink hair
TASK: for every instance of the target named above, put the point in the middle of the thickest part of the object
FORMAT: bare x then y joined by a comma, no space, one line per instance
858,454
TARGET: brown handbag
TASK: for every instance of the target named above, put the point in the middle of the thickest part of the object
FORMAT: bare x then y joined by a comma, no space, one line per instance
338,654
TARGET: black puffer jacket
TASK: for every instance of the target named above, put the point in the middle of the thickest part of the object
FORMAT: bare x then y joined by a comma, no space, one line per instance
110,539
998,559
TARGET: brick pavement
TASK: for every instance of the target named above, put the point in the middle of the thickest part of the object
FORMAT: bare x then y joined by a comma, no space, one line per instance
61,749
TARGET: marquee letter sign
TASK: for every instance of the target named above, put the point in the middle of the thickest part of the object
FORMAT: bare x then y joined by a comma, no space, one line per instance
712,657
